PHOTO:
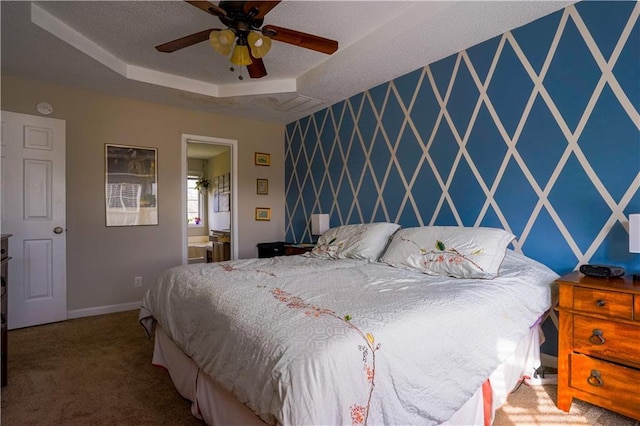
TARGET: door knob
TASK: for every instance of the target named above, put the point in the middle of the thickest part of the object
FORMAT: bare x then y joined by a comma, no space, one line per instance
57,230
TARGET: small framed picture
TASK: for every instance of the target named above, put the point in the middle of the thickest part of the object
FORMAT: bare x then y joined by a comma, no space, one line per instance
263,159
263,213
262,186
223,202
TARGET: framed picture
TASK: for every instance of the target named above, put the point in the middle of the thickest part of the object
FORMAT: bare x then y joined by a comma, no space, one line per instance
131,185
263,159
223,202
226,183
262,186
263,213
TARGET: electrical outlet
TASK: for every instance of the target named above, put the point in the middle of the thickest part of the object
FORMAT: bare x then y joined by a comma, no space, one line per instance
137,281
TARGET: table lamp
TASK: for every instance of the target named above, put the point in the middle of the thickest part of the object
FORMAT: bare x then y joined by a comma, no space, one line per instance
320,223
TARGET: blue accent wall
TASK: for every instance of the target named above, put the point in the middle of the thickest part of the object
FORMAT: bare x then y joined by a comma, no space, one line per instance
536,131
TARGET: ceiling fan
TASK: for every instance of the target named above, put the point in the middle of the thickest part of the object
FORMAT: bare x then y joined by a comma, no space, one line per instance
244,36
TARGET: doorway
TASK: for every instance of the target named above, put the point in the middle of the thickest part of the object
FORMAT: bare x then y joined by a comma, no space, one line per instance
209,169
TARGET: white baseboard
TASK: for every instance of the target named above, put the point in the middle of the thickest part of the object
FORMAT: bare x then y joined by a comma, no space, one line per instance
549,360
100,310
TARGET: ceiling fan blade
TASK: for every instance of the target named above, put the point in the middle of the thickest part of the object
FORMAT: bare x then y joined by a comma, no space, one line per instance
263,7
308,41
185,41
208,7
256,69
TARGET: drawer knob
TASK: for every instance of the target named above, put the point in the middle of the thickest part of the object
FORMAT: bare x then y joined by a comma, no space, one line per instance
597,337
595,379
600,303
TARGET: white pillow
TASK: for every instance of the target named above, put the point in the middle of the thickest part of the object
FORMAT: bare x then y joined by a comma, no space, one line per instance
449,250
361,241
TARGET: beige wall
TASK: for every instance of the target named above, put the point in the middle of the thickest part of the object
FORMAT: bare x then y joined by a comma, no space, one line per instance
101,261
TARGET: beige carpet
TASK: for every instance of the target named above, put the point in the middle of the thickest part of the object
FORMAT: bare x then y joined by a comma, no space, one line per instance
97,371
536,406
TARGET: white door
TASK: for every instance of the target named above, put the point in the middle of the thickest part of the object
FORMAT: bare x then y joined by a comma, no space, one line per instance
33,210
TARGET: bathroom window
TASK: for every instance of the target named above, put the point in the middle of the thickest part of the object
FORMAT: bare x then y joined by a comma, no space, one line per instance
195,203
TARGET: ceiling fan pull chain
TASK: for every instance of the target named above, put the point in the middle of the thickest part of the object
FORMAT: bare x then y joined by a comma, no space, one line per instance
232,69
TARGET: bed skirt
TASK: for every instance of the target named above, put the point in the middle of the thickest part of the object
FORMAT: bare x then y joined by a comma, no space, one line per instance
217,406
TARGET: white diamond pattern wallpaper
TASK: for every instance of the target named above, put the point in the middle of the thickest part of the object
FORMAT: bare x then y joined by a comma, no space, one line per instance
535,131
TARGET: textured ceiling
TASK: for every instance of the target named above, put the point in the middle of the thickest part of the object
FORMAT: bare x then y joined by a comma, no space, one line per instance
109,47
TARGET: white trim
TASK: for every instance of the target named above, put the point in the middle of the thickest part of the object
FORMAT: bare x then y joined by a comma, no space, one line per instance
101,310
64,32
233,144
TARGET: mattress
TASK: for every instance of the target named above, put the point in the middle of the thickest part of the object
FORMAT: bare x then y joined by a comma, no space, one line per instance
300,340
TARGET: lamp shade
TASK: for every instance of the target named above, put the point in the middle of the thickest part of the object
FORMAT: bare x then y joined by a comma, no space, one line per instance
319,223
634,233
222,41
241,55
259,44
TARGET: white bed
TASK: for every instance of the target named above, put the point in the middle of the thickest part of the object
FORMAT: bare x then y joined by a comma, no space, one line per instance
340,340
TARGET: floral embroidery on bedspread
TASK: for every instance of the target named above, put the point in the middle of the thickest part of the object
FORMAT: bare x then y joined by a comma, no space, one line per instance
231,268
333,247
359,413
443,254
328,249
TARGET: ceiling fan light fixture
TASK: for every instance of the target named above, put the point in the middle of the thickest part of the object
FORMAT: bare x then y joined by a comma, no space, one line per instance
241,55
245,41
260,44
222,41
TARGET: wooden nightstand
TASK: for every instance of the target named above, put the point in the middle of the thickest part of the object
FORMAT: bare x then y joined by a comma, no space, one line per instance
293,249
599,343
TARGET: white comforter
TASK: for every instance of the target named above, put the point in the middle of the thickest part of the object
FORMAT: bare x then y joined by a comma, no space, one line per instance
328,342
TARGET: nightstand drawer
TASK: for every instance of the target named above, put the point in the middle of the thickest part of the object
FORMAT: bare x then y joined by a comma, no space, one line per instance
604,379
294,249
606,338
608,303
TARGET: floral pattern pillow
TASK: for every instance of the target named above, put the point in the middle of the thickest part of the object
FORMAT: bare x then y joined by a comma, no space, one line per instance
360,241
452,251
